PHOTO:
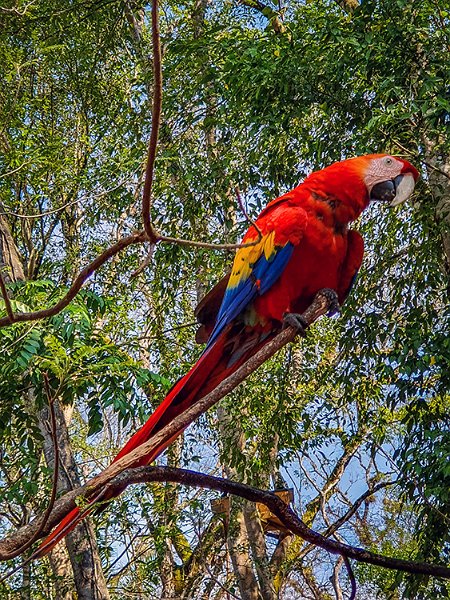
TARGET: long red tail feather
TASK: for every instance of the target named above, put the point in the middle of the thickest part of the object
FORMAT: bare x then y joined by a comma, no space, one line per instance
212,367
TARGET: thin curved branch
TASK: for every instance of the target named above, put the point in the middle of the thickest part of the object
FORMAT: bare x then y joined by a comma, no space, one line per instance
275,504
211,246
135,238
278,507
153,235
9,310
156,121
351,576
149,233
41,214
27,162
53,211
247,216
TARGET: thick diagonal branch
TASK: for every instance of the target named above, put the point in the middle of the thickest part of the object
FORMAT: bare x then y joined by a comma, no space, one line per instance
94,489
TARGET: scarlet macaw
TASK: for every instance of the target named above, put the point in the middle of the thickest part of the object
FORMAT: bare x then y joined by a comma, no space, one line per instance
303,246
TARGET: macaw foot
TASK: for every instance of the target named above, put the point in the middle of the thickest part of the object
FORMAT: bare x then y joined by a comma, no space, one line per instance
332,297
296,321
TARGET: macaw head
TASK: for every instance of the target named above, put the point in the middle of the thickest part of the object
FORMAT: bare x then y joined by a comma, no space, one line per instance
387,178
358,181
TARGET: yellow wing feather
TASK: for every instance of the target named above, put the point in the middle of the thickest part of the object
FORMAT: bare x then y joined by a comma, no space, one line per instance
246,257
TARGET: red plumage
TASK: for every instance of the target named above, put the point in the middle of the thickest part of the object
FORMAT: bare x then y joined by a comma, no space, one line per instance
305,246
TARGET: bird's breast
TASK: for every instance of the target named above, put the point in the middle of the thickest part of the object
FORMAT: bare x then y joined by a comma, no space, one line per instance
316,263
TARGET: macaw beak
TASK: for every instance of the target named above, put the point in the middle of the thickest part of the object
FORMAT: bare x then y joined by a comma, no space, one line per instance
395,191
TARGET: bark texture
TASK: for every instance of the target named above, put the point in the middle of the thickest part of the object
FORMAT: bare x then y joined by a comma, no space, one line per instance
81,545
88,576
438,159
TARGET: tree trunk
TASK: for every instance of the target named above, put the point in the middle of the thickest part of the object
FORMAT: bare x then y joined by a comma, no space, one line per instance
259,552
81,544
238,546
25,592
238,538
10,261
61,569
438,161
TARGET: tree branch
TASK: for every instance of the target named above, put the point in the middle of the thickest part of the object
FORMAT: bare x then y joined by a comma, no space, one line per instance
135,238
246,215
94,490
149,232
278,507
351,576
9,310
286,515
156,121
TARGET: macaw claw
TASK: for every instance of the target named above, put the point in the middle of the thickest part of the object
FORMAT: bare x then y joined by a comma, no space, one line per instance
296,321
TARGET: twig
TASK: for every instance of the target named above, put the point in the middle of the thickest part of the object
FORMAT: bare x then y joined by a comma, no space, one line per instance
351,576
212,246
41,214
247,216
135,238
156,120
228,592
331,529
9,310
52,211
124,551
8,173
194,244
408,153
145,263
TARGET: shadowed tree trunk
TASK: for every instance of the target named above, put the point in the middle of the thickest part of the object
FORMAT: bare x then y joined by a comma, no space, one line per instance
89,580
439,178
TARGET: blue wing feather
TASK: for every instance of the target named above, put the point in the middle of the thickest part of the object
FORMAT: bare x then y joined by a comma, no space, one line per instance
236,299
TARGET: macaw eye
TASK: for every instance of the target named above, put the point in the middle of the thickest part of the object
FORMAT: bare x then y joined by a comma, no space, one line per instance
388,160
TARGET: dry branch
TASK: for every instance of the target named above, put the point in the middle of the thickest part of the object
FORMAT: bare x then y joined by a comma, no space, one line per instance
95,488
135,238
276,505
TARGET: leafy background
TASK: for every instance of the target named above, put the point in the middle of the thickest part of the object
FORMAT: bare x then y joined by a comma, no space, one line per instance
256,100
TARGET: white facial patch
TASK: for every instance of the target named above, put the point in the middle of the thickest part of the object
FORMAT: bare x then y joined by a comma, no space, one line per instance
382,169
